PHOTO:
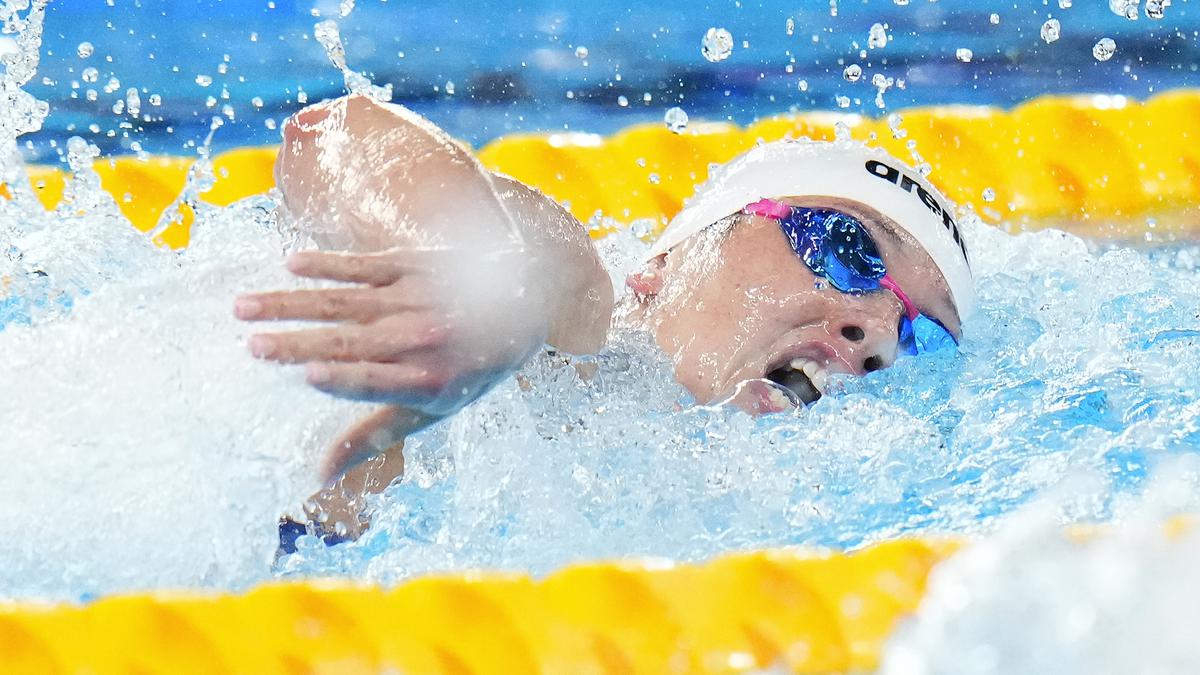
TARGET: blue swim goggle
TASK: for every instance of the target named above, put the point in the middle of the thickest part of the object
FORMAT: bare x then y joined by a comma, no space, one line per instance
838,248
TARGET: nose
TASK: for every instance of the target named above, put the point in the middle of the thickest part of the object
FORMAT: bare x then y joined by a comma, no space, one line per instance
866,335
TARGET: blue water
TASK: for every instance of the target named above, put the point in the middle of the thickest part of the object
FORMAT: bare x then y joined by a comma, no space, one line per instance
513,65
1082,359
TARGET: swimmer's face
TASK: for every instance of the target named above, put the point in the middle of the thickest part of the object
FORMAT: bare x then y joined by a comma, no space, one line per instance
738,306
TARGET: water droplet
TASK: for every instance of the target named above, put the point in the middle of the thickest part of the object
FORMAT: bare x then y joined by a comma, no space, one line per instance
1156,8
843,101
901,2
85,49
449,88
676,119
989,195
790,26
802,85
345,7
1051,30
622,101
1125,8
155,99
90,74
717,45
852,72
654,179
302,97
994,19
877,38
257,102
581,52
1064,4
133,102
963,54
841,130
204,80
1104,49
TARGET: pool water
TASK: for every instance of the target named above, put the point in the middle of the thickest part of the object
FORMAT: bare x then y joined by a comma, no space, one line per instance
144,448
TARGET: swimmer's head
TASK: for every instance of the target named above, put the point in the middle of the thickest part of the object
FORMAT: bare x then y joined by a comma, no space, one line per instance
730,300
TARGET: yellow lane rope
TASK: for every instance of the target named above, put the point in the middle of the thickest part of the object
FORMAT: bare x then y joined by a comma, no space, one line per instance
804,612
1100,165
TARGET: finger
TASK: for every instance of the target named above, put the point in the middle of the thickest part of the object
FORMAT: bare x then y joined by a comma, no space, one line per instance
348,342
399,383
376,269
336,304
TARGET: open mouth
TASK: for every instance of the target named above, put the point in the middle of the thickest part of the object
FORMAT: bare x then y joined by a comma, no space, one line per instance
803,377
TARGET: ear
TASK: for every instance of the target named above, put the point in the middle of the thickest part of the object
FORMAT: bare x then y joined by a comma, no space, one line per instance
649,281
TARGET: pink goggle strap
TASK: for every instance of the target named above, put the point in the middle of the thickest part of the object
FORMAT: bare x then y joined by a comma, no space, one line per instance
768,208
910,310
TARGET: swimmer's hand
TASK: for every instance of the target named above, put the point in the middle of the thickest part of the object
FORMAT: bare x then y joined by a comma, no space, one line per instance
404,334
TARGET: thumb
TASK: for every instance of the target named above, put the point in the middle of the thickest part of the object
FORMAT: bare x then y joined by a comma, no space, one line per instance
377,433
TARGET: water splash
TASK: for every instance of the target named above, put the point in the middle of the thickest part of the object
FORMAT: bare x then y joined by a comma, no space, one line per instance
328,34
1034,599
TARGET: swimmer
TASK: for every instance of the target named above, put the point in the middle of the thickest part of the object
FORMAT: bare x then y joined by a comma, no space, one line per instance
796,261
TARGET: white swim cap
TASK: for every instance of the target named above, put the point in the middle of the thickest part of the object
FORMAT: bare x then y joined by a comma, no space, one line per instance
843,169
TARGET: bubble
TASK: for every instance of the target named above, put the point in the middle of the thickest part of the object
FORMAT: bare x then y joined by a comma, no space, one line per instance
1156,8
963,54
85,49
90,74
852,73
257,102
717,45
877,38
1064,4
676,119
802,85
989,195
204,80
1051,30
155,99
901,2
622,101
843,101
449,88
789,26
581,52
1104,49
994,19
1125,8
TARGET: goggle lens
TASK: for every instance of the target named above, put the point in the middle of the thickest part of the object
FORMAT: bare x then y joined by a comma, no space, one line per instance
838,248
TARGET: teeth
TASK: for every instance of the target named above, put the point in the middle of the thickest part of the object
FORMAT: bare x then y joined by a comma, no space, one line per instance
816,374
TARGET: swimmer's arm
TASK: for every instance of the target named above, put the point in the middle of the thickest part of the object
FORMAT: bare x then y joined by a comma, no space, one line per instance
583,296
